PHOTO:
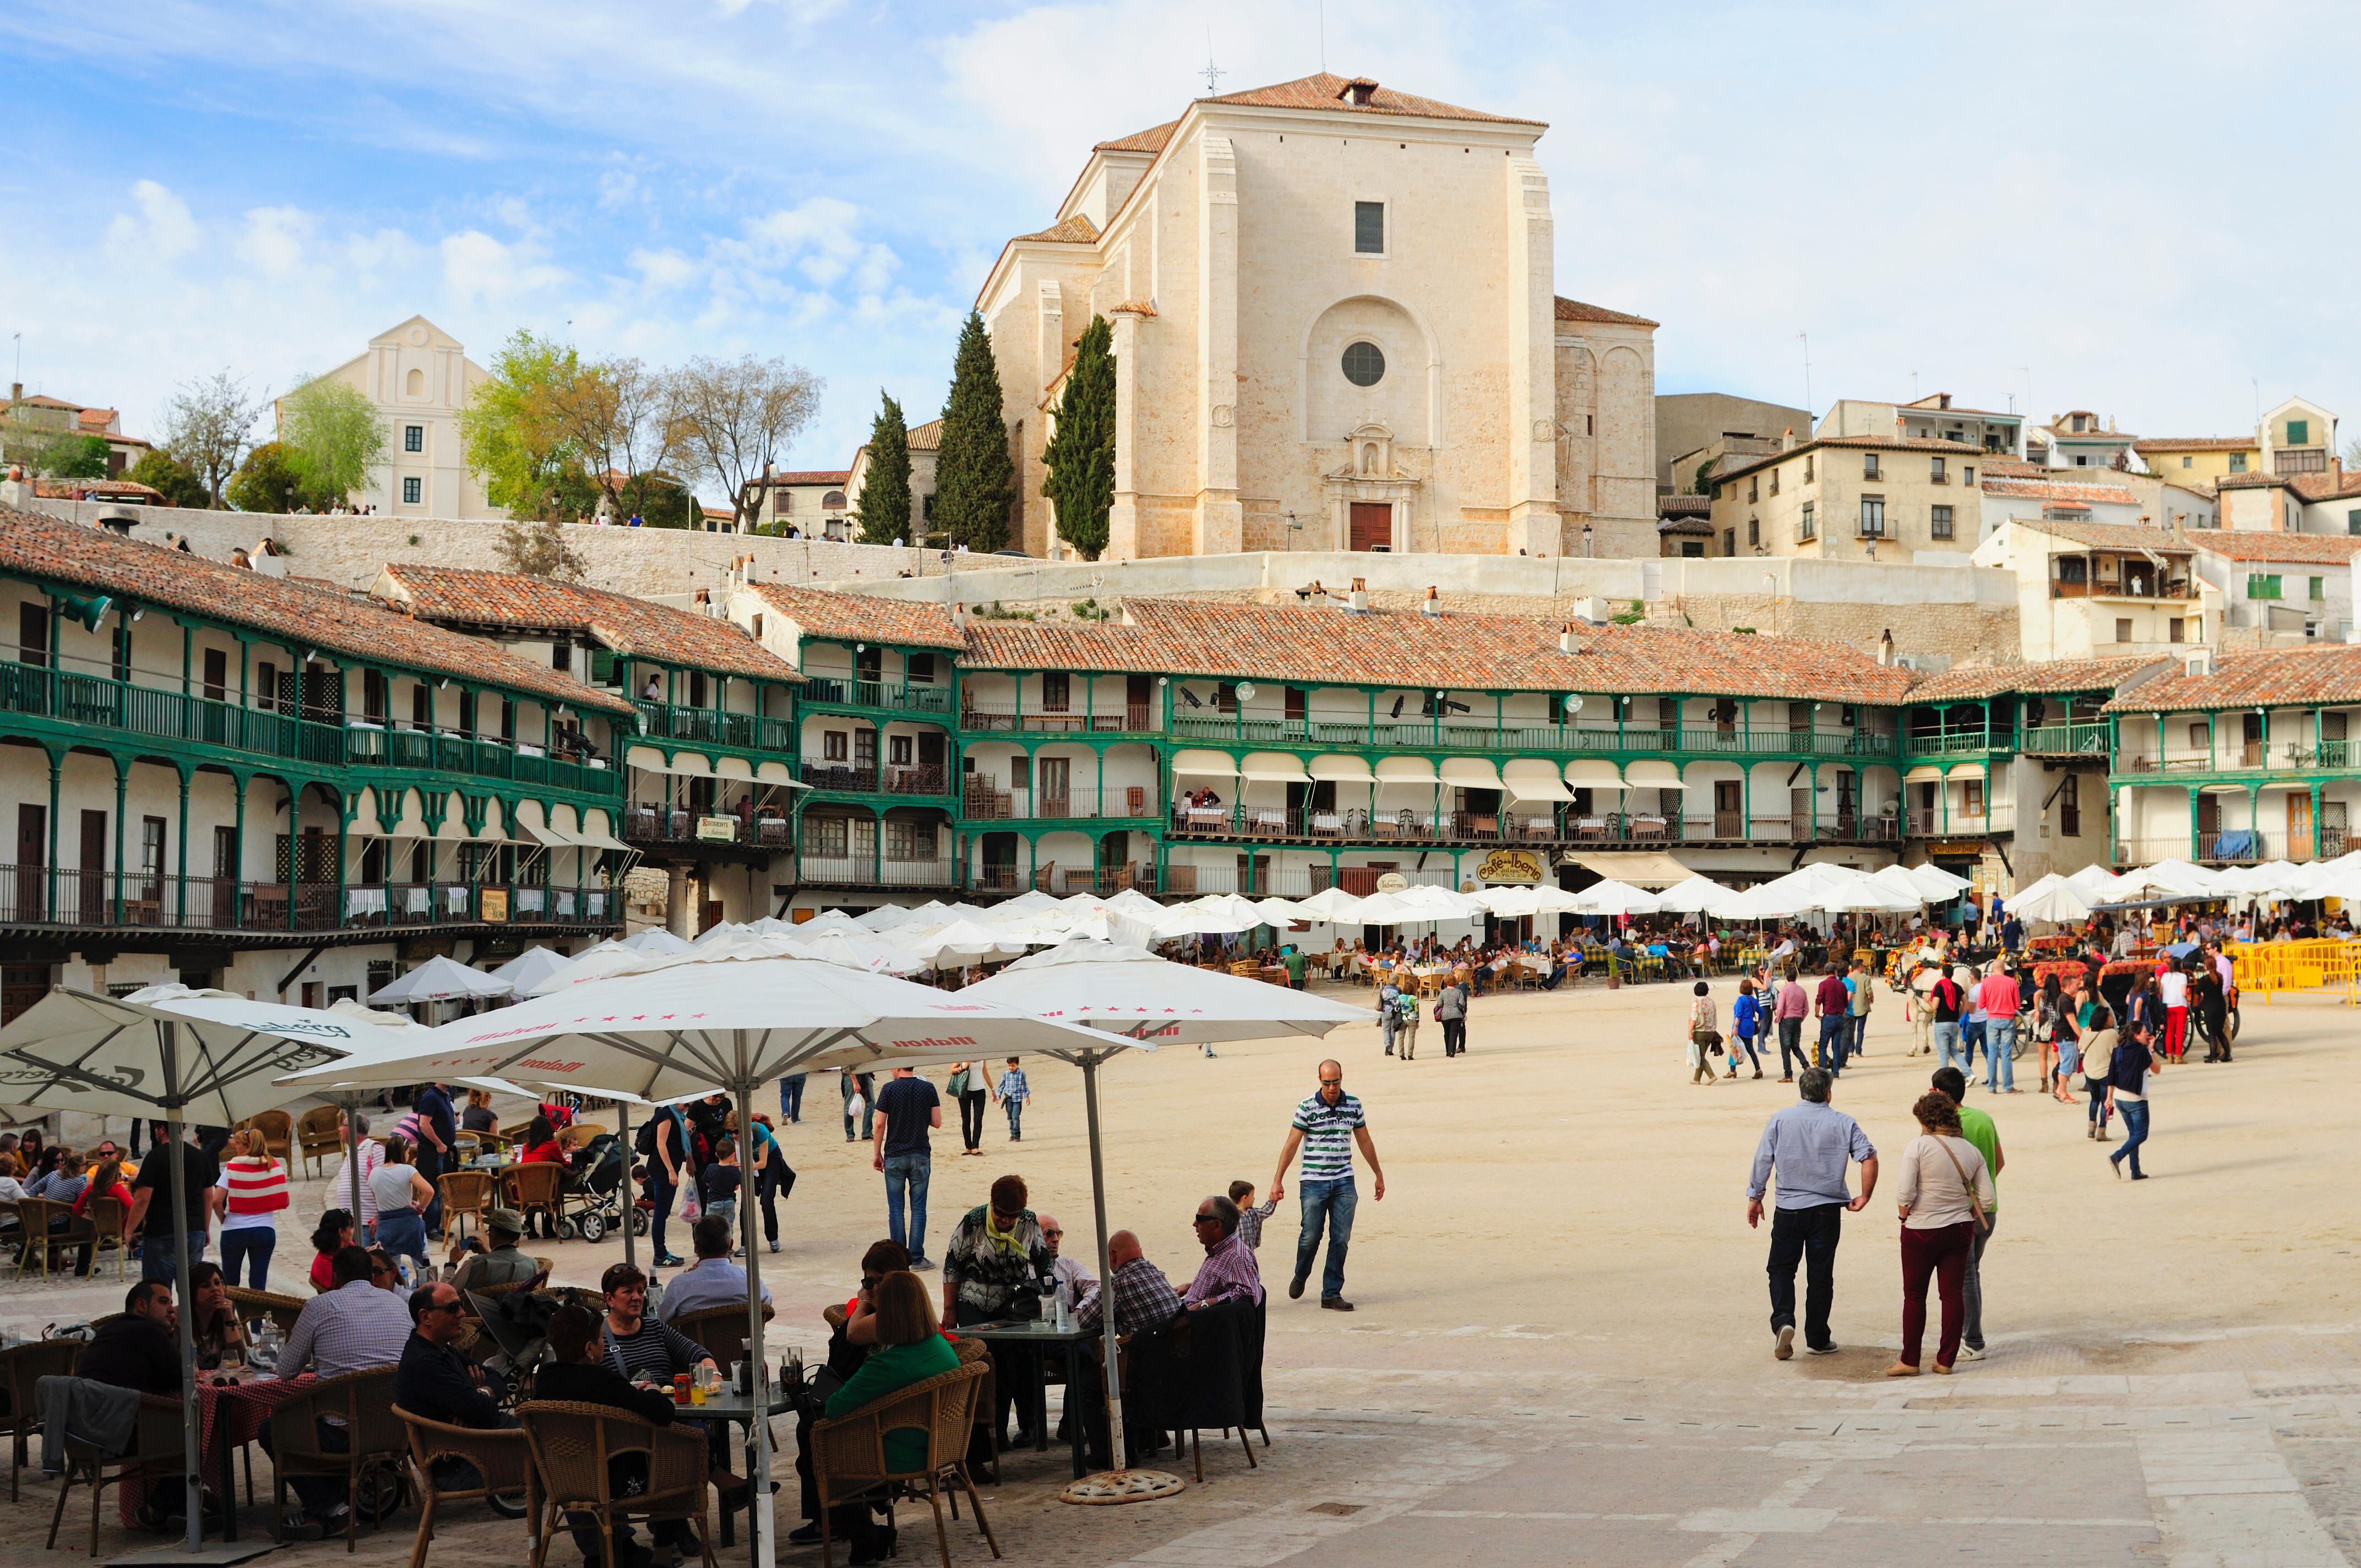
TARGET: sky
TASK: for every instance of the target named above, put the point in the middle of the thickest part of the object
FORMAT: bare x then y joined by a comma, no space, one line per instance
2142,210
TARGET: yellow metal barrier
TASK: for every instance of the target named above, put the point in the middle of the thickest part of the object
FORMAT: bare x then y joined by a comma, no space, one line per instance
2267,969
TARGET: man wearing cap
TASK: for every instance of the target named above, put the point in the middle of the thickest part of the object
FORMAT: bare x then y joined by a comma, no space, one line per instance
503,1265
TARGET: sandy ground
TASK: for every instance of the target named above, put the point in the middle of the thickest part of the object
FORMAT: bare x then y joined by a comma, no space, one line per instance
1564,1240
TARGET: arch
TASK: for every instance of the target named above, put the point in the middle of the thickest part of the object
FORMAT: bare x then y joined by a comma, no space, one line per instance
832,502
1406,356
413,383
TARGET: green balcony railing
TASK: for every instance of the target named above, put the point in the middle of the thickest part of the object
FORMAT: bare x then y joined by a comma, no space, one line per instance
843,693
1397,734
2086,738
712,726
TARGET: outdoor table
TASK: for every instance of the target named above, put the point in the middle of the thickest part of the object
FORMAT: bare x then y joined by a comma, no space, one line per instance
733,1406
228,1420
1041,1332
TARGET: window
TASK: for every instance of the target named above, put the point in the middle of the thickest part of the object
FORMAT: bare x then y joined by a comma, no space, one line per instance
2237,461
1730,541
2078,424
561,655
2259,587
2353,522
1774,481
1967,474
1934,471
1872,517
1869,467
1225,697
413,438
1056,693
832,502
2319,589
2298,431
1369,228
1754,489
1940,522
1807,468
1809,528
897,750
909,841
2081,460
835,745
414,491
2173,625
1753,533
2334,726
826,835
1020,772
1694,547
2123,629
2189,462
2200,738
918,669
2070,806
1364,364
120,635
1971,798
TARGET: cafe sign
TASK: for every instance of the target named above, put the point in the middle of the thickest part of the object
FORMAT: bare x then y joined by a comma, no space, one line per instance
1392,882
493,904
717,829
1510,865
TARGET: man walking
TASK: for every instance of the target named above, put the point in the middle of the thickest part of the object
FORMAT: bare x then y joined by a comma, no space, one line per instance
1999,995
1978,1129
1788,1009
906,1106
1864,986
1833,1001
1944,1004
1451,1012
438,1127
1327,1127
1807,1145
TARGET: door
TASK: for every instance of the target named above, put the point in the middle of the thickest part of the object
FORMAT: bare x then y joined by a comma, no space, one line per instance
1728,809
93,866
1053,786
225,899
33,633
999,871
2255,741
1799,814
933,778
1299,711
864,758
1138,701
2299,825
1372,526
32,860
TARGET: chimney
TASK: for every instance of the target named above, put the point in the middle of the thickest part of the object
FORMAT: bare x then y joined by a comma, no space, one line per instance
1566,642
1358,604
959,617
15,391
1430,605
1787,441
1885,647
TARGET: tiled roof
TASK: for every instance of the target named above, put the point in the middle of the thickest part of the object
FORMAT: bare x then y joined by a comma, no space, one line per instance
1852,442
1449,652
2336,484
807,476
1685,523
927,437
1974,682
2015,468
852,618
43,401
101,418
2254,482
2051,491
2195,444
635,627
1684,506
335,623
1329,91
1076,230
2312,549
2110,535
1576,311
1153,140
2288,675
1135,307
98,490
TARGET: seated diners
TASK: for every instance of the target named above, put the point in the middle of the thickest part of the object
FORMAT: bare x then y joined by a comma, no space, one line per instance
713,1280
436,1383
910,1349
1229,1272
579,1378
996,1267
215,1329
1143,1300
632,1342
353,1328
140,1349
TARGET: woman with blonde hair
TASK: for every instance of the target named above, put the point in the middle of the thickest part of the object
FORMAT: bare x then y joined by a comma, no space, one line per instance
252,1190
1947,1194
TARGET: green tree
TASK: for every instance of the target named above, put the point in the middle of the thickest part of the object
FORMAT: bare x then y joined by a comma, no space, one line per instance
658,501
519,430
178,482
266,481
1081,455
332,436
885,512
74,457
206,425
975,478
1702,485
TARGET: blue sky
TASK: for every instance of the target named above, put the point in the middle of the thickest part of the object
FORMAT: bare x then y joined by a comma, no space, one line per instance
2146,210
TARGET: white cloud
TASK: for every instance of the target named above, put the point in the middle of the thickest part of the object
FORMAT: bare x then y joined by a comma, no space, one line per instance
665,270
478,269
277,240
162,230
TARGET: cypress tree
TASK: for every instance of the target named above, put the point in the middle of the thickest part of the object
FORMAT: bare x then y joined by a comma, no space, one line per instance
885,494
975,479
1080,456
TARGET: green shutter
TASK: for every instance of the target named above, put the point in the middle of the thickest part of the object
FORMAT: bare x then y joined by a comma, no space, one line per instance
2319,587
2298,433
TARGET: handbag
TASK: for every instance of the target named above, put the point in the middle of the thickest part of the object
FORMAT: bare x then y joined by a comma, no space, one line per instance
1983,1221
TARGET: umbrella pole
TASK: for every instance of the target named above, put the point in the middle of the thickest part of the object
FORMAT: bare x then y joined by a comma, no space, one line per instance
353,1157
1113,1378
629,1209
761,1507
180,1234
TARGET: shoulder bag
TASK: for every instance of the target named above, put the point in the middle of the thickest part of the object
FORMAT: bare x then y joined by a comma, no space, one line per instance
1983,1221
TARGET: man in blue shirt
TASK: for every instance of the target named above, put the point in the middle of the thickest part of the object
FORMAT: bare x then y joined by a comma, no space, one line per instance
908,1106
438,1127
1808,1145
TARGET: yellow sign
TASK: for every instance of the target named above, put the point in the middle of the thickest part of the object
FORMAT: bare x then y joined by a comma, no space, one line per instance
494,903
1392,882
1510,865
717,829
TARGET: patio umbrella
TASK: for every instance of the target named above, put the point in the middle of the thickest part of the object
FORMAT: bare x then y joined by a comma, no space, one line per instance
1216,914
960,942
1612,897
887,917
1141,999
442,978
864,950
207,1055
1510,903
2094,882
530,967
608,958
819,925
708,1023
2058,903
2166,880
1697,895
656,939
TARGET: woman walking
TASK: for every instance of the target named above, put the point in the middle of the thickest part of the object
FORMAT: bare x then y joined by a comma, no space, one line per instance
1945,1194
2173,995
969,1084
254,1188
1703,1038
2134,1061
1745,1024
2053,1028
1406,1025
2098,1047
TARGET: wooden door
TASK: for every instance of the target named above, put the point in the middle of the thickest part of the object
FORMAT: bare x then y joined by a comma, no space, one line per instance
1728,809
1372,526
1053,785
2299,825
92,867
1138,700
1799,813
32,862
225,900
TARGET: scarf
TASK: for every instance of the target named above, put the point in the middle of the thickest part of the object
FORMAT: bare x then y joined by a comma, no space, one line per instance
1002,1241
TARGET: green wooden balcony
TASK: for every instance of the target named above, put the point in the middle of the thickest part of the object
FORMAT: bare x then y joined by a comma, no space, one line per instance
835,691
1390,735
712,726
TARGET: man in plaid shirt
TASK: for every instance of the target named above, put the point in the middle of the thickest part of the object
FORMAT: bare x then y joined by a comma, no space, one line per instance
1144,1299
1014,1092
1229,1272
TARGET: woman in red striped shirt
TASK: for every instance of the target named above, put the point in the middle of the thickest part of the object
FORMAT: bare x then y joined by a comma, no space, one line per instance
253,1190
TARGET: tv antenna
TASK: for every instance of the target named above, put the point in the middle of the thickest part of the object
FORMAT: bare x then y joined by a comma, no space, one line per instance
1211,74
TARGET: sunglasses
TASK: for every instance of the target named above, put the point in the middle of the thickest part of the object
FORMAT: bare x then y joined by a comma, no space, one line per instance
1205,1218
445,1307
1054,1236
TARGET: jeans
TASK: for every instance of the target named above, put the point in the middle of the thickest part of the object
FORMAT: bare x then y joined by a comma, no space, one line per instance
2000,1054
1331,1203
1386,1025
244,1242
1455,1037
791,1097
1746,1042
661,1195
1971,1332
776,1182
156,1250
1015,1109
906,1174
972,1104
402,1233
1972,1040
1859,1044
1808,1236
2135,1114
2098,1103
318,1494
1943,1252
1947,1044
865,1086
1834,1029
1792,1059
429,1164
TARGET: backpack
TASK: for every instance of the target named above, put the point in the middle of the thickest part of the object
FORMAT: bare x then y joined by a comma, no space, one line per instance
643,1142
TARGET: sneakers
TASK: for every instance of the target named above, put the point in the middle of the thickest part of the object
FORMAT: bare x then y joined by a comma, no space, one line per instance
804,1535
920,1264
1827,1349
1785,1349
666,1260
775,1247
1971,1352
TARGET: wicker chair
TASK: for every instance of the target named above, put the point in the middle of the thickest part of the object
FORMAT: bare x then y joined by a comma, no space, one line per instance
280,1309
108,1218
277,1130
849,1462
374,1437
21,1367
42,1243
580,1133
571,1444
534,1190
317,1138
156,1453
721,1329
501,1459
466,1194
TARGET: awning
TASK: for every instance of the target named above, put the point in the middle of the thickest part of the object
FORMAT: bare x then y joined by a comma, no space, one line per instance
1204,764
1530,778
593,833
1594,773
734,768
777,773
1640,867
1405,770
1470,773
529,818
1967,769
1341,770
1923,774
649,760
1653,773
1273,765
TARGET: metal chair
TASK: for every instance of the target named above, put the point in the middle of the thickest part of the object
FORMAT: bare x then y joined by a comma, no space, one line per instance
156,1453
22,1366
848,1452
374,1439
502,1462
572,1445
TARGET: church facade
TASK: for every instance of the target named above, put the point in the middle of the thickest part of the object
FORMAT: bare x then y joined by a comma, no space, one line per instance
1336,328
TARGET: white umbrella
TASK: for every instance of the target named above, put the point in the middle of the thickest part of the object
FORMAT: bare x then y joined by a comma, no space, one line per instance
1612,897
715,933
1696,896
207,1055
528,969
1131,901
1920,883
863,951
1280,914
731,1024
2166,880
608,958
2095,883
655,939
1216,914
1032,900
1939,884
1511,902
2058,903
962,941
821,924
442,978
1766,902
884,918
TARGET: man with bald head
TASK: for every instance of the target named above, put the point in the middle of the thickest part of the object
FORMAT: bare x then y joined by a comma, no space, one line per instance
1071,1270
1143,1300
1327,1127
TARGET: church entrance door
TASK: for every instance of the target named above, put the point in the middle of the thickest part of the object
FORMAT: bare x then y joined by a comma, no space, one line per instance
1373,525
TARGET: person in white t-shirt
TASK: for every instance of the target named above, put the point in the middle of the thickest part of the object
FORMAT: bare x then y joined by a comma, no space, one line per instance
2172,989
340,1191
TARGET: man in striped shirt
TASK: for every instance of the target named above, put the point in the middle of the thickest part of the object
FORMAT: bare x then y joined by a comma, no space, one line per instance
1327,1127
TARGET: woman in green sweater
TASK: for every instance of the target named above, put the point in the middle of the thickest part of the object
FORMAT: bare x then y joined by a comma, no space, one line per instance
897,1319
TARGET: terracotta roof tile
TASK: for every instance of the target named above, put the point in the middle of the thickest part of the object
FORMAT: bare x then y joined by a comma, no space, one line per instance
335,623
2313,549
1684,506
927,437
1973,682
1076,230
2289,675
1853,442
2254,482
2015,468
2111,535
807,476
856,618
1155,138
1576,311
1450,652
2052,491
635,627
2195,444
1326,90
99,489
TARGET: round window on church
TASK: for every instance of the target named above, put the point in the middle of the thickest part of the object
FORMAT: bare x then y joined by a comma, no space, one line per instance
1364,364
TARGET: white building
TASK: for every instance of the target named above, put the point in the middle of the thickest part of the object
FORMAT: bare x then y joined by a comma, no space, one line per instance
419,376
1930,417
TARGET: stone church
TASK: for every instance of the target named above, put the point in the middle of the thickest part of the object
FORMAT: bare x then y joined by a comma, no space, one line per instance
1336,328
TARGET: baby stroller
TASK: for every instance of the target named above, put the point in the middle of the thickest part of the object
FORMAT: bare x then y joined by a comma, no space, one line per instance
587,1202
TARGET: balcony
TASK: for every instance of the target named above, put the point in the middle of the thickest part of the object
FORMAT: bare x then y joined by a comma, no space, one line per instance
1105,881
2082,738
711,727
1936,824
999,720
1393,735
836,691
40,896
984,802
1479,829
868,871
2237,846
1949,743
932,781
652,825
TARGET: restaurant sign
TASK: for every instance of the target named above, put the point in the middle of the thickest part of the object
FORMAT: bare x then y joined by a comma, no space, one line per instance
717,829
1510,865
1392,882
493,904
